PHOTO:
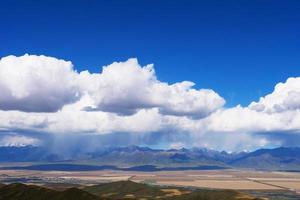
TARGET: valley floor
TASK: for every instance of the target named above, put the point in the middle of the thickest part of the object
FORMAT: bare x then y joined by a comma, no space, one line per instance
259,183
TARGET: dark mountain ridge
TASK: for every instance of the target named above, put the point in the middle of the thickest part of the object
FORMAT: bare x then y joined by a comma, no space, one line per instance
129,158
281,158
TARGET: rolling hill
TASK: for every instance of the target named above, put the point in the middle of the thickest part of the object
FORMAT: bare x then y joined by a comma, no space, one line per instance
19,191
124,188
116,191
129,189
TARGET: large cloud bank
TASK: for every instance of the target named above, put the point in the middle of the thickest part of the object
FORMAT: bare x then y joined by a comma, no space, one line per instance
46,96
44,84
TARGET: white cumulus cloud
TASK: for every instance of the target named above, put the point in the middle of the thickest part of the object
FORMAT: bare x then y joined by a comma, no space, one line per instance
36,83
126,87
44,84
286,96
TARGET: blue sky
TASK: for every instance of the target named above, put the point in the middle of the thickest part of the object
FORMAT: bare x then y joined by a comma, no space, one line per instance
241,49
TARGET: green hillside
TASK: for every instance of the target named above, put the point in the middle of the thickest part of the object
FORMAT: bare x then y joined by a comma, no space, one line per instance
18,191
214,195
122,188
133,190
116,191
76,194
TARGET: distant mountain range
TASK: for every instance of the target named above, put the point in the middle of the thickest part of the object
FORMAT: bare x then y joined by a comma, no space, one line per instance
134,157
